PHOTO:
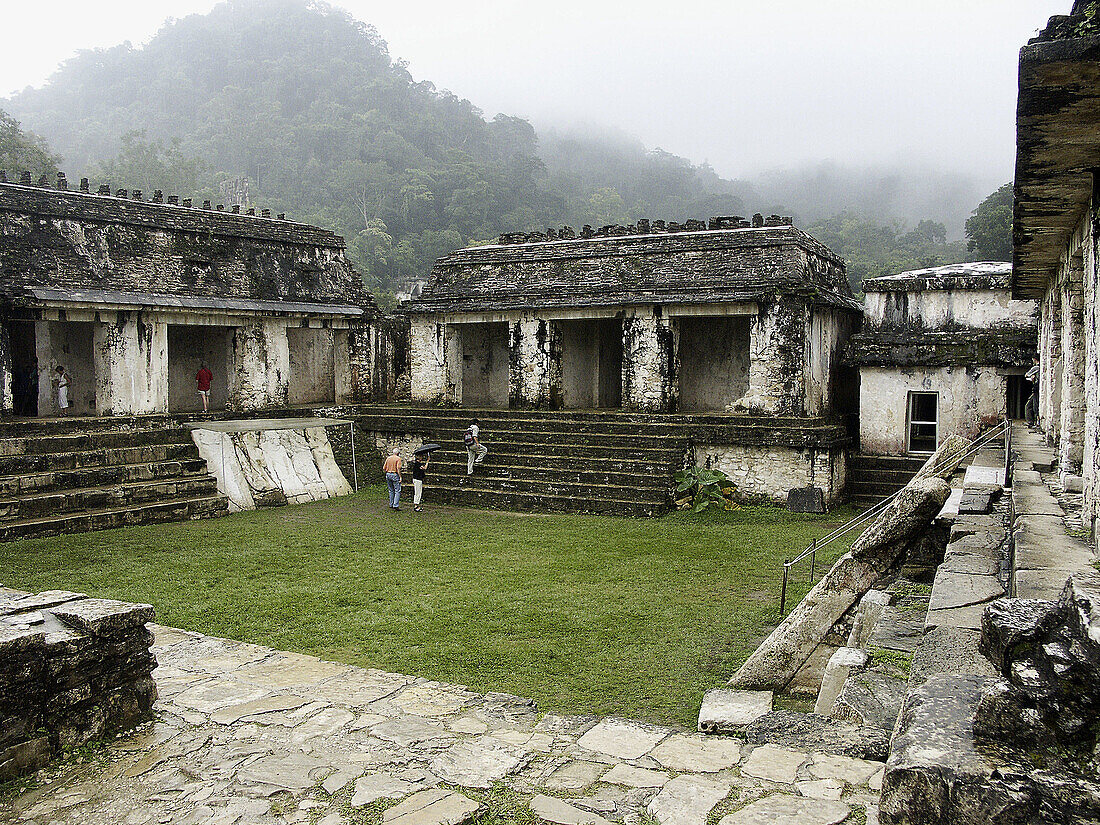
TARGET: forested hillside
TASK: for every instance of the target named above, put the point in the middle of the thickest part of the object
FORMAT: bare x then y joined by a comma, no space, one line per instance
299,107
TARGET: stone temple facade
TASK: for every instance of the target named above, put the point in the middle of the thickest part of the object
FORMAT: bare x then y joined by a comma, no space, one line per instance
1056,228
941,351
730,316
130,295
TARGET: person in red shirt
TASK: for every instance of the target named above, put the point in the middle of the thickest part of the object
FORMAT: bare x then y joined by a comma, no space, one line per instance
204,376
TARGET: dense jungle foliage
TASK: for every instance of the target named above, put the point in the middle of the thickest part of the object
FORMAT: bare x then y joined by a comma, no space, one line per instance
299,107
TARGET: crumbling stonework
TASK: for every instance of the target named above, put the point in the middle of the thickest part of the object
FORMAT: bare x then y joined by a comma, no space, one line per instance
112,273
955,331
770,472
647,282
72,669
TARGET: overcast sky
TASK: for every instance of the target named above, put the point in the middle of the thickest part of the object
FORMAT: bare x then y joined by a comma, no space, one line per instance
746,85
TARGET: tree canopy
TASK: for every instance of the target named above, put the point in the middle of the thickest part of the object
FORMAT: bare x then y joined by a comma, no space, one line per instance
24,151
989,229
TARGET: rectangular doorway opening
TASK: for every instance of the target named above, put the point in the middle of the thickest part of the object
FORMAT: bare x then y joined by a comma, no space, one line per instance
24,368
485,370
714,362
1017,390
312,377
66,344
189,349
923,421
592,363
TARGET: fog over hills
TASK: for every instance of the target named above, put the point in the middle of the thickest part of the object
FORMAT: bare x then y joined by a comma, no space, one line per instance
300,107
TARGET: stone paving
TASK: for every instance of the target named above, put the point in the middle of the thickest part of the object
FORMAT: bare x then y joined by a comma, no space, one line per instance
246,734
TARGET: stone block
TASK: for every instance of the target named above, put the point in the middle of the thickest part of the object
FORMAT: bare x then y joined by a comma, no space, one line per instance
688,800
787,809
726,710
899,628
103,617
435,806
949,650
842,663
562,813
686,753
871,698
806,500
808,731
622,738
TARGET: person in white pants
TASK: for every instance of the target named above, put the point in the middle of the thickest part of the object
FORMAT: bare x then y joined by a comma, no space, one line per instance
475,450
419,474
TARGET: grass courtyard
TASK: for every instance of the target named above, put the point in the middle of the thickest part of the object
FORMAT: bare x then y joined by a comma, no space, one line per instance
585,614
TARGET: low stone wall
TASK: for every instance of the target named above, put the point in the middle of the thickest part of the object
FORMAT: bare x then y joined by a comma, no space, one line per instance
72,669
769,472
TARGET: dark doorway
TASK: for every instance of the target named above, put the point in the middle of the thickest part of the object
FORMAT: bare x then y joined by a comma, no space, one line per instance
24,367
1018,390
610,334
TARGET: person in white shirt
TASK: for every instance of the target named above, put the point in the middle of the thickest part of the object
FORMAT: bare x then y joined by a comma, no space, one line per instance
1031,408
475,450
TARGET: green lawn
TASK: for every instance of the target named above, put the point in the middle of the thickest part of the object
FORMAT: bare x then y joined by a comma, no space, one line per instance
585,614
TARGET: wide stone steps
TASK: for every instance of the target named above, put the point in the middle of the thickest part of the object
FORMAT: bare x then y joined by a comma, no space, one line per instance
106,518
88,441
872,478
52,480
491,480
43,462
42,505
74,475
483,494
568,469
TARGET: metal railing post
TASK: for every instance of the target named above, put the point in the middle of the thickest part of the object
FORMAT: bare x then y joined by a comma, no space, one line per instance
813,560
783,592
354,463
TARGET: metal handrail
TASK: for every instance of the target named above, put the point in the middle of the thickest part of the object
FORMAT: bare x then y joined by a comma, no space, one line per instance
1002,428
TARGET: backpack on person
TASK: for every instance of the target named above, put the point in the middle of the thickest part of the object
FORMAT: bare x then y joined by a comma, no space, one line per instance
469,438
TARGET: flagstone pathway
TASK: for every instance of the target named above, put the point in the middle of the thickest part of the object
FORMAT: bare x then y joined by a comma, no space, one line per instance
246,734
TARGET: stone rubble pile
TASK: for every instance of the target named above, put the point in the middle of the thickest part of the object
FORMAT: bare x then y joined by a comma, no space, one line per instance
72,669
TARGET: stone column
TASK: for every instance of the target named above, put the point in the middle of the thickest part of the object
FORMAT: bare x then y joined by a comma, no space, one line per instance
1071,439
777,341
1050,362
7,400
428,361
260,366
534,363
1091,276
649,374
131,365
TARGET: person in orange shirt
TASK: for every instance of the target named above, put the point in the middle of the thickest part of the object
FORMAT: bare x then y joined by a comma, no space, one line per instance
392,469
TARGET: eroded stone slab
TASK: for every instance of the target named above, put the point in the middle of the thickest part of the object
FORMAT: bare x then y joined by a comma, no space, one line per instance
697,754
210,696
478,763
562,813
380,786
435,806
728,710
774,764
622,738
787,809
688,799
234,713
633,777
575,776
844,768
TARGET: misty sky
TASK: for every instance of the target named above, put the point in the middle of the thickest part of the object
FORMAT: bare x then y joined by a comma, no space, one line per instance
747,86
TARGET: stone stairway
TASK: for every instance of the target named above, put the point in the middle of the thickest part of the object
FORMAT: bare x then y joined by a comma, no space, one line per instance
80,474
871,478
587,461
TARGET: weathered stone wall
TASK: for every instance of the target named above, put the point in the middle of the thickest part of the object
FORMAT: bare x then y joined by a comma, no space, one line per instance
260,366
67,344
1090,455
769,472
131,366
428,361
485,364
969,400
72,669
71,240
311,378
534,363
712,361
649,379
825,335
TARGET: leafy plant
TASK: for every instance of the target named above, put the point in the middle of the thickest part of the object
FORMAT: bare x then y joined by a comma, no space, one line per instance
698,488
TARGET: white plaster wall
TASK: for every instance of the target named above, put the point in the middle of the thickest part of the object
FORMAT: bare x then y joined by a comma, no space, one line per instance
131,365
770,472
251,465
345,375
312,376
825,334
260,366
427,363
970,399
68,343
962,307
647,344
534,362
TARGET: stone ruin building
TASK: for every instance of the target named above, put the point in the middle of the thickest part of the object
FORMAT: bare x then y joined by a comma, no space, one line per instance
941,351
131,294
726,317
1056,229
